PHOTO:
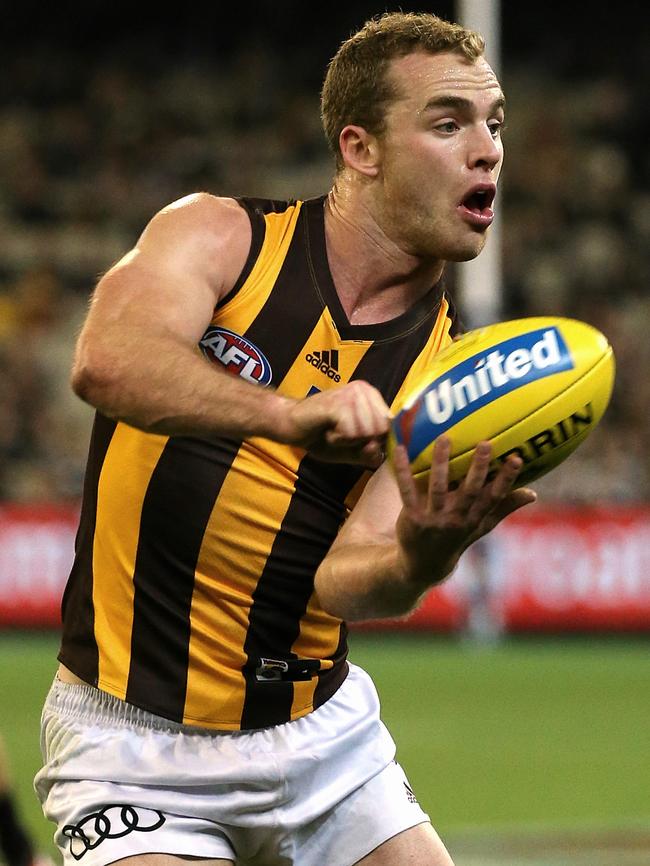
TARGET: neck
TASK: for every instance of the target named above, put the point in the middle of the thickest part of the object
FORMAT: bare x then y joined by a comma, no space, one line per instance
376,280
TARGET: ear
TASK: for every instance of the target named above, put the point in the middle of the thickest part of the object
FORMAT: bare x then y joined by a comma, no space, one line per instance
359,150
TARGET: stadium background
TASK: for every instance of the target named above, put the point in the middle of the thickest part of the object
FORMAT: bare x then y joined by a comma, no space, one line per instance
520,697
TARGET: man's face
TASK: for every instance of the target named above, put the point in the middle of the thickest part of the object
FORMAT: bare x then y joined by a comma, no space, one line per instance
441,155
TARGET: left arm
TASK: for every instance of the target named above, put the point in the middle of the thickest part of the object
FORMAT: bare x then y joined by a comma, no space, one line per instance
400,541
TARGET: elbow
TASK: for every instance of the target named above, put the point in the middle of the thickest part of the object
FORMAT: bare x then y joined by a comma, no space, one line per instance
81,382
360,592
329,601
342,600
111,385
93,380
321,596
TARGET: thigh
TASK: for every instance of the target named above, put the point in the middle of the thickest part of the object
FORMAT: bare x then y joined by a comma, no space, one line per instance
417,846
378,812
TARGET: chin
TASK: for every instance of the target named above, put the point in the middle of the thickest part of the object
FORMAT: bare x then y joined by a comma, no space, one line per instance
447,246
465,255
467,251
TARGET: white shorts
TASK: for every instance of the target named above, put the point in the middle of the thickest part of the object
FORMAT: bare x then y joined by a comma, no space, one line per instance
323,789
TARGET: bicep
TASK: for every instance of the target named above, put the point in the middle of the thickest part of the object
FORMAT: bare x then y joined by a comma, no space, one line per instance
188,257
140,293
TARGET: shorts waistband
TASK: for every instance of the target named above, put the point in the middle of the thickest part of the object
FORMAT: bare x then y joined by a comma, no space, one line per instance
88,703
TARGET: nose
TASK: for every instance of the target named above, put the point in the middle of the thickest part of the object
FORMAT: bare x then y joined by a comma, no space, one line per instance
485,151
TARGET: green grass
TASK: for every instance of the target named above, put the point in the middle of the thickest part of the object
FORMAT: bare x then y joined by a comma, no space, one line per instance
27,666
527,732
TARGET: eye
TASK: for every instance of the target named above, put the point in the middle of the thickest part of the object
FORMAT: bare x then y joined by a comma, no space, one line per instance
496,128
447,127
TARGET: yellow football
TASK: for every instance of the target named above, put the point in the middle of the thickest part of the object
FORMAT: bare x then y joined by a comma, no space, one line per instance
534,386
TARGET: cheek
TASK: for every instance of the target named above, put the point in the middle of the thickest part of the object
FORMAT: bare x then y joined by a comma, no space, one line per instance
416,171
497,170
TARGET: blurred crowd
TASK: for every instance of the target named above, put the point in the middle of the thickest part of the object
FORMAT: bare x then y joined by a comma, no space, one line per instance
90,149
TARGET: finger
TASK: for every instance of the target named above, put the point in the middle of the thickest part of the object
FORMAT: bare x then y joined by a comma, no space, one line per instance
374,414
404,477
347,427
507,475
381,408
373,453
439,473
368,421
500,486
369,445
476,477
367,454
510,503
359,413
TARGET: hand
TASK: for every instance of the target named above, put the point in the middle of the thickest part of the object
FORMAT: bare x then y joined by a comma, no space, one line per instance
435,526
345,425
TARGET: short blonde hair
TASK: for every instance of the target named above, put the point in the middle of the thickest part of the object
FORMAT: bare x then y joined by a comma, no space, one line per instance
356,88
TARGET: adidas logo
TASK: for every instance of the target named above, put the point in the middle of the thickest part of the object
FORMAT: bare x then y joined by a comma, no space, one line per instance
327,362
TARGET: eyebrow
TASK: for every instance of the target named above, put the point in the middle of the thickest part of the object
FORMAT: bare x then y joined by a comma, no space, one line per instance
462,104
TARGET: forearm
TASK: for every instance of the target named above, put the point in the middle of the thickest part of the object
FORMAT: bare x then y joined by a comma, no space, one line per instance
371,581
160,384
399,541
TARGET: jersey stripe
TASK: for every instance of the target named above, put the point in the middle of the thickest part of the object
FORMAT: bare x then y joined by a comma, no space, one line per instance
269,702
253,295
176,509
440,338
383,366
186,478
258,233
279,601
436,340
283,336
79,648
327,685
129,463
273,634
288,318
220,604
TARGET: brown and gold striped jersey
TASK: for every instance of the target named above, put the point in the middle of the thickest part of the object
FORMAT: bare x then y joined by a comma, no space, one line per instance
192,589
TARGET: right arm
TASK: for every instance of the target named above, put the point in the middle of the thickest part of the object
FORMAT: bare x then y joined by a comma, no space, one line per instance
136,358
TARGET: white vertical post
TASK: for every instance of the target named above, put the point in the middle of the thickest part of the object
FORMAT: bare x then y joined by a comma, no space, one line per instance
480,280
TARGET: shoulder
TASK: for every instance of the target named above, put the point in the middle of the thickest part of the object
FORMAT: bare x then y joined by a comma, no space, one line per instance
204,217
209,233
205,206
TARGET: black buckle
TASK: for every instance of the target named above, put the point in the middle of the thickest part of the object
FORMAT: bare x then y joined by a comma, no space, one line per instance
286,670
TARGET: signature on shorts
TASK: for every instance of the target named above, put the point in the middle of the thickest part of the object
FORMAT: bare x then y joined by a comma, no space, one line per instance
110,822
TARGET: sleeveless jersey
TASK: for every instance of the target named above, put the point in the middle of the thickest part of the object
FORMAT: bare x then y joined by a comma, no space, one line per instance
192,590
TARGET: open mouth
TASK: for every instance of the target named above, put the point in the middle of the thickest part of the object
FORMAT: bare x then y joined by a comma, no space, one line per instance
476,207
480,199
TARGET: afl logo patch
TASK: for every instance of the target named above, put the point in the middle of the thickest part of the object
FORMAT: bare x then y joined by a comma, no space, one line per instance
239,356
